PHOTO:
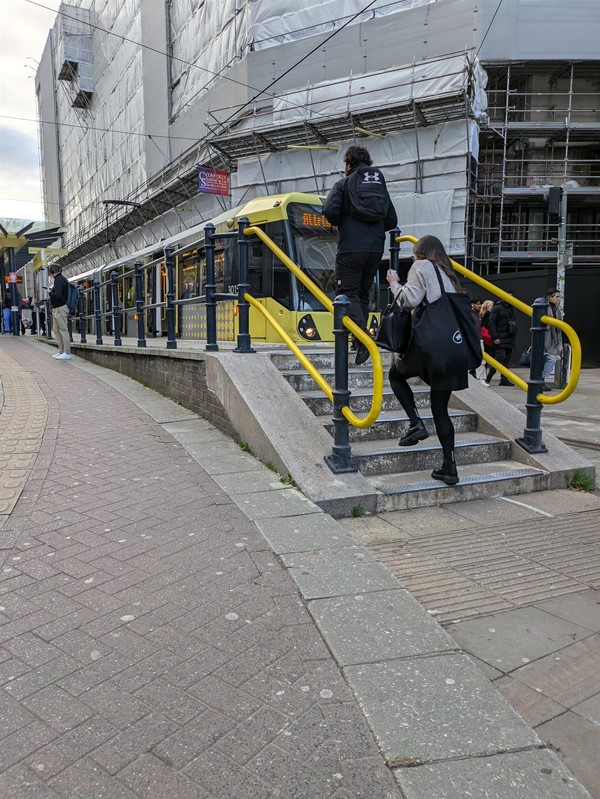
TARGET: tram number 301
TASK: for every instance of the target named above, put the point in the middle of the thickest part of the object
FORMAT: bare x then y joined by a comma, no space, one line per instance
232,290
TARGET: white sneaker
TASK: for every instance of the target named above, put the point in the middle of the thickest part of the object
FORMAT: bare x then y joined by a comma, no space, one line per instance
63,357
57,354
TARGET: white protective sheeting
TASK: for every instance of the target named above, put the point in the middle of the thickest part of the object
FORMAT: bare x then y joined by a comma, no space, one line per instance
274,22
101,149
442,151
396,87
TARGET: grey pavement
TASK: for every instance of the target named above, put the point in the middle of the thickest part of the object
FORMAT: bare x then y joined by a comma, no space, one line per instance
174,621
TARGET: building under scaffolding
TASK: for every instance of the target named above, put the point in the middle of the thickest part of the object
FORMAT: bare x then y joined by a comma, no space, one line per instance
483,115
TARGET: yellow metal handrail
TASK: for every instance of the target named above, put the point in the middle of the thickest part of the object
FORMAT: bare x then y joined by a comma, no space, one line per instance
363,337
526,309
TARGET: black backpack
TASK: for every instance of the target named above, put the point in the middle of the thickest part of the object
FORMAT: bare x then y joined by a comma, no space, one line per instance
367,194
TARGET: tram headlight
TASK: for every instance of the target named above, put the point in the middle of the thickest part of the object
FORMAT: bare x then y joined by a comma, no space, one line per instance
308,329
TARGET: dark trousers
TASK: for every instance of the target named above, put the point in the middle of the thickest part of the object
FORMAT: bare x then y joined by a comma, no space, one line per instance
503,355
439,409
354,274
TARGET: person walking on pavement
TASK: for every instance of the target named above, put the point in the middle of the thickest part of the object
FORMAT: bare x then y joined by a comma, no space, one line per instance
503,330
361,233
475,313
422,284
7,313
60,313
553,341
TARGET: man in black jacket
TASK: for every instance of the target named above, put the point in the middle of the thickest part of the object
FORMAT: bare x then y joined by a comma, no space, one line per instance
503,330
360,245
60,313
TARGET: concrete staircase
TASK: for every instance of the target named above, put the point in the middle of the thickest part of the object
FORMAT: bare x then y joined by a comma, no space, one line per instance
401,476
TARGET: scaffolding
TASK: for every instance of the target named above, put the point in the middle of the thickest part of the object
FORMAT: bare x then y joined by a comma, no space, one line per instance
542,143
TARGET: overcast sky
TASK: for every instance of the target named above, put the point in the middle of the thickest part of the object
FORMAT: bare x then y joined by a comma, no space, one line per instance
25,29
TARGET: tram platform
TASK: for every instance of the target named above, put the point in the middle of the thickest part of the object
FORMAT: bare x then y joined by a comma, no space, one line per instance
177,621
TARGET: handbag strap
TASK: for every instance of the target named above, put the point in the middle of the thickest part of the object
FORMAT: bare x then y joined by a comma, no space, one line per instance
439,277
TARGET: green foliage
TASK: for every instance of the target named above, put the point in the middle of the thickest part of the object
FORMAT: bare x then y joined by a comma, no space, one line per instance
580,481
270,466
289,481
244,447
357,511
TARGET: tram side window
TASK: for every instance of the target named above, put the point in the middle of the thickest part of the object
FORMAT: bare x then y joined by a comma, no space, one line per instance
255,267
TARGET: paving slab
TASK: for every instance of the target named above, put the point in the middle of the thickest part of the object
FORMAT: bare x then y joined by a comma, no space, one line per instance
508,640
378,626
265,505
514,775
303,533
335,572
436,708
589,709
582,609
532,705
582,758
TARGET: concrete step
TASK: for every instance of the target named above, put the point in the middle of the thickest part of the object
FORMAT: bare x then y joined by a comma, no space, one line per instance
360,400
300,380
386,457
322,358
391,424
477,481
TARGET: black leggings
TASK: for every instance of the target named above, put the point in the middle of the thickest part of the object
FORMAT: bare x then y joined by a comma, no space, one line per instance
439,409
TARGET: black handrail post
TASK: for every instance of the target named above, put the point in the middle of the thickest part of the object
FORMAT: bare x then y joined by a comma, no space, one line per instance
209,290
116,310
531,440
98,311
243,339
340,460
82,319
169,261
139,304
394,249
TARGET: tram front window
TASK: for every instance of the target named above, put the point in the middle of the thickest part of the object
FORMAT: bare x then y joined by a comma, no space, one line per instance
315,243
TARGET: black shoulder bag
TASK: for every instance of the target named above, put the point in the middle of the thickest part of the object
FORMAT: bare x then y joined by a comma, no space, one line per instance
395,328
444,335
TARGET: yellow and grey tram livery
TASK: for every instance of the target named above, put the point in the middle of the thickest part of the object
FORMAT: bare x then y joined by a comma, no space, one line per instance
294,222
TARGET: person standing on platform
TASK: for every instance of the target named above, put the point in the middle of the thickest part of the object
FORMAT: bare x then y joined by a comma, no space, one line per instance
553,342
503,330
60,313
360,207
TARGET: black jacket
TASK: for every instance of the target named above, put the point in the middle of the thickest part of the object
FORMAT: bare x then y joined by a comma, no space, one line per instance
500,316
354,235
59,291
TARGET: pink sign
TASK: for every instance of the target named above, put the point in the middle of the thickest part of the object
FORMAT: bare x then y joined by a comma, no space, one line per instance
213,181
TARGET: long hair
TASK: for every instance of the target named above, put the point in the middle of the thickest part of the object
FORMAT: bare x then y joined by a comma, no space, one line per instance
486,306
430,248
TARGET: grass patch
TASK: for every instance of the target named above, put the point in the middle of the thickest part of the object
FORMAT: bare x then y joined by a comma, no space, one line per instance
270,466
357,511
580,481
244,447
289,481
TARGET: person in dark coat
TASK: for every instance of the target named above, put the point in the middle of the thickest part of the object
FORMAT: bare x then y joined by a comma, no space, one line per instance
360,246
475,313
503,330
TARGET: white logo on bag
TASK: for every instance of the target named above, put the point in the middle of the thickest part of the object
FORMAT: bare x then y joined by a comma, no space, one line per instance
457,337
371,177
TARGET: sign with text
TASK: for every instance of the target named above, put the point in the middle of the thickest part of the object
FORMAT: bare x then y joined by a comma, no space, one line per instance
213,181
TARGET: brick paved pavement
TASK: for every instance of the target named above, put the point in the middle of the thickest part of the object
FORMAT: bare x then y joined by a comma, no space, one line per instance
151,645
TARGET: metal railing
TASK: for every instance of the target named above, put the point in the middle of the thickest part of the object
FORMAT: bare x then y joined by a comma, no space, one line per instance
531,439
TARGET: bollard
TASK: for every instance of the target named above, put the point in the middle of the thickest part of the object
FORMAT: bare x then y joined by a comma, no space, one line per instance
531,441
210,301
169,263
98,311
243,339
116,310
340,460
82,319
139,304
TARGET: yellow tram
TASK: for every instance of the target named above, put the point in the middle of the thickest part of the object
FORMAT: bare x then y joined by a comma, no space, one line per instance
294,221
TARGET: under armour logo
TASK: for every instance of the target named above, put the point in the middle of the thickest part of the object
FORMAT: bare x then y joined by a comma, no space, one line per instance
371,177
457,337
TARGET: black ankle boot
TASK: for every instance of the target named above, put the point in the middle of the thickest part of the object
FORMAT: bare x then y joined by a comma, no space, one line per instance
446,473
416,432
